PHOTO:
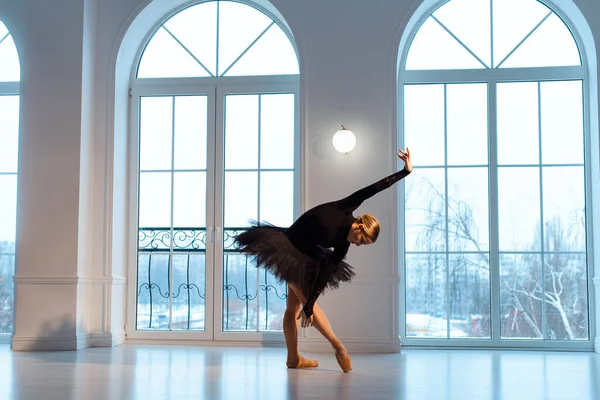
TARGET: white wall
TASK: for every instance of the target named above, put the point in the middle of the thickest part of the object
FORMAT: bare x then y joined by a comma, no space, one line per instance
73,166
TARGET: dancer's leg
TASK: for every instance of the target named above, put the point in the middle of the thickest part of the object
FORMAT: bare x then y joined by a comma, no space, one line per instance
321,323
290,332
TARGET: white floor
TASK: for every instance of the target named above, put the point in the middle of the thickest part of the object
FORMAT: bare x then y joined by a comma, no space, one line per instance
193,372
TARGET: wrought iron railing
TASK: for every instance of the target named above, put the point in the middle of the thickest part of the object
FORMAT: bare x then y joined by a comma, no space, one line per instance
246,306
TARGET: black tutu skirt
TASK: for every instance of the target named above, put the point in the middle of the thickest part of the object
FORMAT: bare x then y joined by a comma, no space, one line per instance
272,250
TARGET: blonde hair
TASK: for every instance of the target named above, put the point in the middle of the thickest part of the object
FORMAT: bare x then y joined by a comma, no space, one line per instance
369,226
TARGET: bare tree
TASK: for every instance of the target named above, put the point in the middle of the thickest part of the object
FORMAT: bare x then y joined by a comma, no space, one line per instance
526,283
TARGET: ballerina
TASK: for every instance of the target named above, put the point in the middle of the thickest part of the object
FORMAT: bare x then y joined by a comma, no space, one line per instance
300,255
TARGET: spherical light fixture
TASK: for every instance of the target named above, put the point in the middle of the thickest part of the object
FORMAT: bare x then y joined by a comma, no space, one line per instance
344,140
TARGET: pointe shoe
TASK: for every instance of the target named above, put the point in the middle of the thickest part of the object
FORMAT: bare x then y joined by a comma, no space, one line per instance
343,360
302,363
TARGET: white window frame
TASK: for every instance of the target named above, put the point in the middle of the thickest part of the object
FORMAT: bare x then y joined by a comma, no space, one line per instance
491,77
10,89
216,88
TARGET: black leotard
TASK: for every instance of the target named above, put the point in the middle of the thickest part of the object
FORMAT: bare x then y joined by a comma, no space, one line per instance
327,225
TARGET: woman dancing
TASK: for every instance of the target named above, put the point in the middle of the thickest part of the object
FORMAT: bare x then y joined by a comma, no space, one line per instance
300,255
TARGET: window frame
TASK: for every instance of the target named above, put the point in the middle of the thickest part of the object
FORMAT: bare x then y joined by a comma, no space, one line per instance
219,86
12,88
492,77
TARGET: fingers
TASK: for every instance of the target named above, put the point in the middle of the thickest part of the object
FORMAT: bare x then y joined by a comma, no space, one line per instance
404,155
305,322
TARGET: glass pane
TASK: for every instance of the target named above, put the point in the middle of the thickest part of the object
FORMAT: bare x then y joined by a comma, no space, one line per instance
519,209
564,208
189,199
153,292
189,292
10,70
434,48
241,198
566,294
155,199
469,20
8,209
7,271
562,122
9,133
239,26
425,215
551,44
513,20
273,295
156,129
164,57
467,124
426,311
277,127
241,306
517,122
424,123
468,226
191,127
469,296
196,28
272,54
520,283
277,198
241,131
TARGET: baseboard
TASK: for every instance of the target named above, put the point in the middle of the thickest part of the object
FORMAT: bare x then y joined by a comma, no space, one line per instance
356,346
107,339
24,343
70,280
217,343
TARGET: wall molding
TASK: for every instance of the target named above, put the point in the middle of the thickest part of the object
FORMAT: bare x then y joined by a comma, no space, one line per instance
39,343
69,280
365,279
356,346
107,339
218,343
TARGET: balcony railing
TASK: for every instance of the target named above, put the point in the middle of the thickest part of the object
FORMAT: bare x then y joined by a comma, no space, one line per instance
171,283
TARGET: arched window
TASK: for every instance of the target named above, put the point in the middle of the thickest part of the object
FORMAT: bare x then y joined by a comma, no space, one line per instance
492,96
215,101
9,139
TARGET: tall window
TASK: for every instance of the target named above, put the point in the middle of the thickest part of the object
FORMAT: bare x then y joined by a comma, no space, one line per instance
495,216
9,138
215,102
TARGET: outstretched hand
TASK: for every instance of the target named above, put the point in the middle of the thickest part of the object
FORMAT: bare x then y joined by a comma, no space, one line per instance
306,322
405,156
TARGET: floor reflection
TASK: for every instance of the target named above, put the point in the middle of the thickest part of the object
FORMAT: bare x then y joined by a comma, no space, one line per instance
210,372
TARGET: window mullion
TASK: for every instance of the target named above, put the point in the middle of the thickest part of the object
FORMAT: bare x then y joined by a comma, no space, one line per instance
498,74
447,256
543,283
494,267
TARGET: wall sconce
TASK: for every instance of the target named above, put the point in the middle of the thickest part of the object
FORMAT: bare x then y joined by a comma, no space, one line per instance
344,140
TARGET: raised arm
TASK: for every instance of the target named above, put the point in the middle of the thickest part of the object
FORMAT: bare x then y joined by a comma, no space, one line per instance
353,201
